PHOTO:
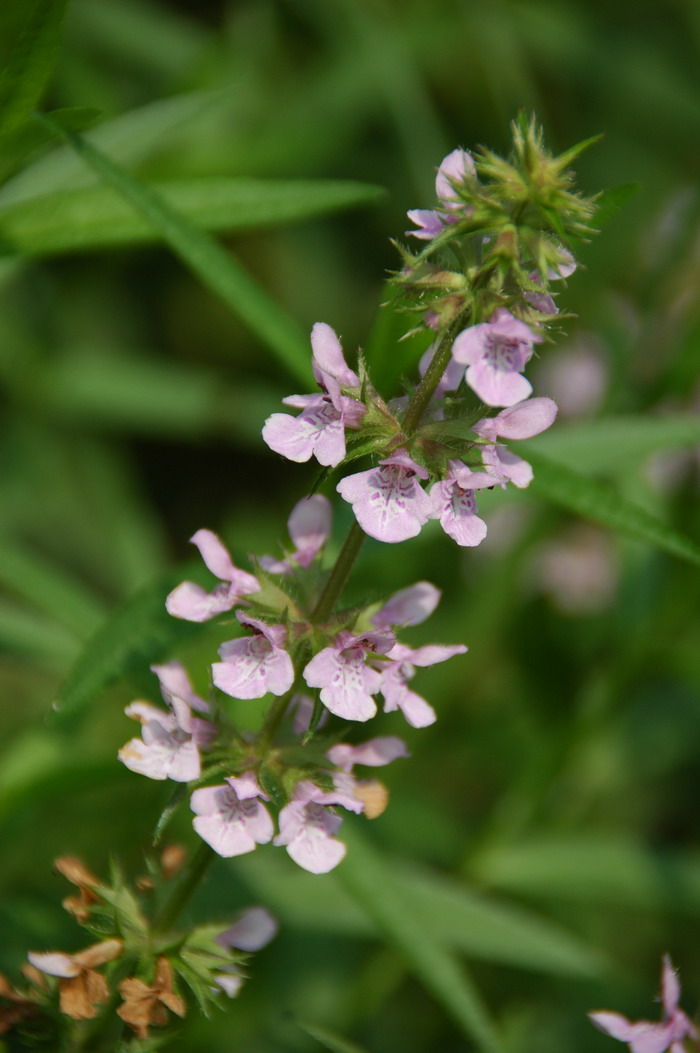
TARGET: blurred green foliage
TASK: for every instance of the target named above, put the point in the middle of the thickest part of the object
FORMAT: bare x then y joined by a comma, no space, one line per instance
544,831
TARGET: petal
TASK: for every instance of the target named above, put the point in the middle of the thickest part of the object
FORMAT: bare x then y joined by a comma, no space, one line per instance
193,604
174,680
670,987
453,169
252,931
470,344
328,354
429,223
496,387
292,437
310,527
372,754
409,606
521,421
508,465
215,554
54,963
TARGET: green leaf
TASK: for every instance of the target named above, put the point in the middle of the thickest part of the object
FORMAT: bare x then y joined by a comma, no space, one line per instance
329,1039
208,260
50,589
616,442
598,868
31,634
600,502
16,144
368,878
612,200
478,925
29,32
98,217
139,633
130,138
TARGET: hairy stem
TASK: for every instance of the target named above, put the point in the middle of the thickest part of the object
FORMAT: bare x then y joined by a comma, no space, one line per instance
433,374
189,882
339,575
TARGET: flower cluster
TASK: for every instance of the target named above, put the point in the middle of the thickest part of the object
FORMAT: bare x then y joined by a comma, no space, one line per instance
80,986
352,662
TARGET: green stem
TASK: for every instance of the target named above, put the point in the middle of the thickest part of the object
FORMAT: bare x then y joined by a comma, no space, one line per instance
433,374
173,907
339,575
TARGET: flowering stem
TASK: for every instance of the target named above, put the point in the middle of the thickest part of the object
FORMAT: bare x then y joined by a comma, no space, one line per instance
173,907
433,374
339,575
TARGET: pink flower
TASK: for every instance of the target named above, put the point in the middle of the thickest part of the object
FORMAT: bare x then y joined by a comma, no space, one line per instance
231,818
454,504
495,354
309,528
170,743
388,501
645,1037
254,665
521,421
454,169
401,668
251,931
192,602
319,430
346,682
409,606
372,754
307,828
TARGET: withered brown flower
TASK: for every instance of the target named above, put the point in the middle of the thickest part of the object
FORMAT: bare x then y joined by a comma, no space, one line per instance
80,987
145,1006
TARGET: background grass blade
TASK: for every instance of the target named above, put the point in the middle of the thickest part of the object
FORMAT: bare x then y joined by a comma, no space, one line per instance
598,501
208,260
98,217
29,33
370,881
616,442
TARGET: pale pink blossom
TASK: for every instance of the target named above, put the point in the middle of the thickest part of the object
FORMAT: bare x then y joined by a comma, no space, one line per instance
231,817
388,500
450,379
319,430
454,169
521,421
372,754
195,604
409,606
309,528
645,1037
253,665
400,668
307,828
251,931
454,504
495,354
170,743
347,683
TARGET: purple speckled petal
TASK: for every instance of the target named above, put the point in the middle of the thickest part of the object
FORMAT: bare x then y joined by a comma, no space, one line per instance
508,465
456,510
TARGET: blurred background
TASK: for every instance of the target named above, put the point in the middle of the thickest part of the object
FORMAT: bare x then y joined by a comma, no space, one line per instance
556,798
